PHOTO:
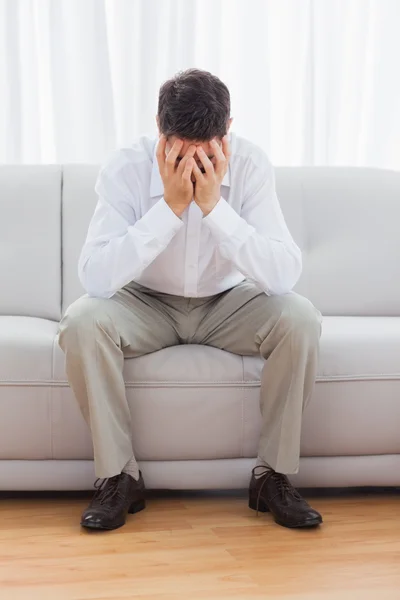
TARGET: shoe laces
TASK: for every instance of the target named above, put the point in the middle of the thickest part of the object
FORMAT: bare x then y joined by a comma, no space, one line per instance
283,484
106,489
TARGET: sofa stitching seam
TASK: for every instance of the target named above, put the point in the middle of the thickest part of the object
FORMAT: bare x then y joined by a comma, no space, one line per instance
243,403
249,383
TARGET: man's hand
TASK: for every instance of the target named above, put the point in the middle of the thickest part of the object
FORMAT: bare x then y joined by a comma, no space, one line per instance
177,177
208,185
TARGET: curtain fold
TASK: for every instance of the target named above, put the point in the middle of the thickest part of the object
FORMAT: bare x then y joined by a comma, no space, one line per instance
312,81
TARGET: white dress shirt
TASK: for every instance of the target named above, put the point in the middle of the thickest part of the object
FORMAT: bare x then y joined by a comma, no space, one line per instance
135,236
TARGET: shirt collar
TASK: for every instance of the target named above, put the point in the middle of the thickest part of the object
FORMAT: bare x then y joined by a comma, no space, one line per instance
156,184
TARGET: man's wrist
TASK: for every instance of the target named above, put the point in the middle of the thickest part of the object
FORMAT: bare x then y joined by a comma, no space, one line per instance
225,223
178,209
208,207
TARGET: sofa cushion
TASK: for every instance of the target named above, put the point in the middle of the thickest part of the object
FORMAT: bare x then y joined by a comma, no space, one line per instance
27,350
346,222
79,201
194,402
186,401
357,396
358,348
352,348
30,241
26,373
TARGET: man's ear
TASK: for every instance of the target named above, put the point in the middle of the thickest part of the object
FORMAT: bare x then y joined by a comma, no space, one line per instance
158,125
229,124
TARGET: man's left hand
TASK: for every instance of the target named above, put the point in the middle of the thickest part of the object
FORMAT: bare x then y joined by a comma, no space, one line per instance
207,192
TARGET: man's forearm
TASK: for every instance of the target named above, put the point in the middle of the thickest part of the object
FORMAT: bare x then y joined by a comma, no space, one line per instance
104,268
274,265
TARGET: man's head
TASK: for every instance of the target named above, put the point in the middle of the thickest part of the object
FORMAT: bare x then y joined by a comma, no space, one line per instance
194,106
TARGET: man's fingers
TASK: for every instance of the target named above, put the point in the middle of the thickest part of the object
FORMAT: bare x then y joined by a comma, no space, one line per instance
197,173
189,154
191,151
220,158
205,161
187,171
181,166
173,155
162,142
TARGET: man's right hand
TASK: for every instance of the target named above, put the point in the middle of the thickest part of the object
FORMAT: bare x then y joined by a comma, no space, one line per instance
176,176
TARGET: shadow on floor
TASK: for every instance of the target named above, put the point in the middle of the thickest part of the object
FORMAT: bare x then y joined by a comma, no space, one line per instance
307,493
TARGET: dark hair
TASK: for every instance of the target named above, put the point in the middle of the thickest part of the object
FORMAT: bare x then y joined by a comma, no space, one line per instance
194,105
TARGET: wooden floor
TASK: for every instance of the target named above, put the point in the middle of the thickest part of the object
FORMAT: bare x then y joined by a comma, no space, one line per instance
195,547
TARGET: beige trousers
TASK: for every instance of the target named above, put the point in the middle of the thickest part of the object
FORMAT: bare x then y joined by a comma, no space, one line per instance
97,334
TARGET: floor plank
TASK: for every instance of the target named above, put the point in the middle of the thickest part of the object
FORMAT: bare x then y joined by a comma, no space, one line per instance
200,546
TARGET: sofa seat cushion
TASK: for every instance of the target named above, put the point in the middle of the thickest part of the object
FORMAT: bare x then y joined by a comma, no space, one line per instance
26,373
358,348
193,402
26,350
186,402
352,349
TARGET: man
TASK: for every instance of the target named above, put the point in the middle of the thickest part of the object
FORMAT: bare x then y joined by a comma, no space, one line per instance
188,245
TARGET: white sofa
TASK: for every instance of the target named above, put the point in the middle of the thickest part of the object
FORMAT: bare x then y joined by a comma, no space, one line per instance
346,221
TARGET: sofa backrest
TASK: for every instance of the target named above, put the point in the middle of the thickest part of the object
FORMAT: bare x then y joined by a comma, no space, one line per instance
79,201
30,241
346,220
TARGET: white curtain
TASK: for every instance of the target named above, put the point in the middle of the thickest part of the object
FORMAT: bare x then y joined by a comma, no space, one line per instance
312,81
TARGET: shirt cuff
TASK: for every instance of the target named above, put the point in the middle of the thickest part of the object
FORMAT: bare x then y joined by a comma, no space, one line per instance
224,222
160,222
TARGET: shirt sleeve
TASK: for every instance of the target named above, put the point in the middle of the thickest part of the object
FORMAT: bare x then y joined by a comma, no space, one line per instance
119,246
258,241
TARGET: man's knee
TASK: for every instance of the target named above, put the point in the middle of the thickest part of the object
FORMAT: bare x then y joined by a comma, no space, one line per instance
299,315
292,315
82,320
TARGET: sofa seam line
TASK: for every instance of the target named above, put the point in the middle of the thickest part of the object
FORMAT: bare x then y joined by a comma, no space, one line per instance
243,404
250,383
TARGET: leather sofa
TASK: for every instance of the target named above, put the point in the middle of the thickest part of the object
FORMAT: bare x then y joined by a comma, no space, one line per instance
196,415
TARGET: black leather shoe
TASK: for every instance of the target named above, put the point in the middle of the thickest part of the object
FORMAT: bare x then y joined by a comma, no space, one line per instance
271,491
113,500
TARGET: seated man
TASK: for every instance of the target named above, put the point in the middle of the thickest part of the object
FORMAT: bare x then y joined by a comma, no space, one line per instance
188,245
